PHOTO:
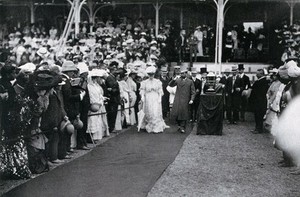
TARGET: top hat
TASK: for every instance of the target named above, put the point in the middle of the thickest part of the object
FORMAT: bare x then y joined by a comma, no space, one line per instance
203,70
241,66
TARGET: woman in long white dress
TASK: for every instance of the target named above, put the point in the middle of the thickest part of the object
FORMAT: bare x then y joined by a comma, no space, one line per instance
132,96
151,93
124,94
97,123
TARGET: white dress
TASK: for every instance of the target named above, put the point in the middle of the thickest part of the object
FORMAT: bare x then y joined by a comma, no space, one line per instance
124,93
287,132
273,96
132,97
151,92
199,36
97,124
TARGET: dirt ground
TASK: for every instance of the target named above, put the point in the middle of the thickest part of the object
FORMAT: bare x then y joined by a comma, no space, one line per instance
238,163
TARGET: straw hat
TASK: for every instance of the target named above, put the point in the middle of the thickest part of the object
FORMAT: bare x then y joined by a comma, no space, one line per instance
68,66
43,52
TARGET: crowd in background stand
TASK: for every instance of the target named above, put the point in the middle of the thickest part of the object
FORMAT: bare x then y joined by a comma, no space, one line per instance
96,85
288,39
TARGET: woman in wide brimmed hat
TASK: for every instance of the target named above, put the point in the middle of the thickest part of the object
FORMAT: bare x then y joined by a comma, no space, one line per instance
151,93
17,113
97,120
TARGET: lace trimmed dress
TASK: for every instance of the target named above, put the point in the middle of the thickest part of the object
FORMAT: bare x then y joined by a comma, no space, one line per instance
151,91
97,124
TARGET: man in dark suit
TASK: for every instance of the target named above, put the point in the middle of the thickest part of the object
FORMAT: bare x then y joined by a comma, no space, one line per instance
165,98
181,45
246,85
233,90
204,87
198,87
113,91
224,81
258,100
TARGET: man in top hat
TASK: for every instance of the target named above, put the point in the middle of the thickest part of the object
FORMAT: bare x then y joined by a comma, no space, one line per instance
233,92
246,85
184,97
198,87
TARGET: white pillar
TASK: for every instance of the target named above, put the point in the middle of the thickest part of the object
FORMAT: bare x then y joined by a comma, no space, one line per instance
292,5
31,7
221,25
91,14
141,10
77,17
157,7
181,17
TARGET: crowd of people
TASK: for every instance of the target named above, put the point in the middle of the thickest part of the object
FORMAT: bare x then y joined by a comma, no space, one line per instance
55,100
288,38
272,99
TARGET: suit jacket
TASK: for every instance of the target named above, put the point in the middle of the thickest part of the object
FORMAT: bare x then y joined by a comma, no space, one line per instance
233,96
231,88
165,97
179,42
71,97
184,93
246,82
114,94
54,114
258,98
224,80
198,88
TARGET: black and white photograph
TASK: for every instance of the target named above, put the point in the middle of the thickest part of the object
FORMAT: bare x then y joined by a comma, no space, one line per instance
149,98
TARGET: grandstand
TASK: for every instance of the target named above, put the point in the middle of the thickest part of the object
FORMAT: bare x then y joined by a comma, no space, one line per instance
187,14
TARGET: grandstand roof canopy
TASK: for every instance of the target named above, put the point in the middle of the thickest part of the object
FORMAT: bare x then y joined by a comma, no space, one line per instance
7,2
